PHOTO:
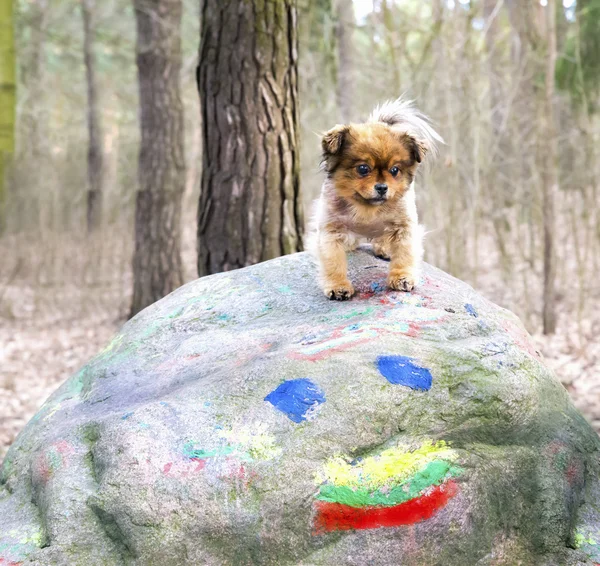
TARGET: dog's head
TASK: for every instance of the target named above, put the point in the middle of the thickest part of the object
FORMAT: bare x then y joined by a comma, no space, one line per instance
371,163
374,163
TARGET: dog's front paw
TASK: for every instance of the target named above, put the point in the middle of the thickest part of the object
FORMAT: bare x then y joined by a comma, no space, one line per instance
339,292
401,282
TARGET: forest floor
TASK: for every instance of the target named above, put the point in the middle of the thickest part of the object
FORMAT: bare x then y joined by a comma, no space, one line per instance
47,332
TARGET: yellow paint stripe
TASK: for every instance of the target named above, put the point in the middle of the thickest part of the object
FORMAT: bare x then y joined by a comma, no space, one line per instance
392,466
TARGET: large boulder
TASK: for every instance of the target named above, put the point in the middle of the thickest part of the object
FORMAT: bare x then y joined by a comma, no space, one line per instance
245,419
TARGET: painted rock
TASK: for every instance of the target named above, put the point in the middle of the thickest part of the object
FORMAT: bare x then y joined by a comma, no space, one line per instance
245,419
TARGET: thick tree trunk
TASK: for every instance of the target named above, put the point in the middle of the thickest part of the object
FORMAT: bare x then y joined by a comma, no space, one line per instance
250,206
7,98
95,153
157,260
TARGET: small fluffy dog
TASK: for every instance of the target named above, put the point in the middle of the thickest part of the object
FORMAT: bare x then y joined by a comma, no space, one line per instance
369,194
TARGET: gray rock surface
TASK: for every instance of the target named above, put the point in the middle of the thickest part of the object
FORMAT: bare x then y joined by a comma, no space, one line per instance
246,419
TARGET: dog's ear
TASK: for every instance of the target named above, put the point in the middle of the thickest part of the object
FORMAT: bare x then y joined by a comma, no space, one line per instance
416,148
333,143
333,140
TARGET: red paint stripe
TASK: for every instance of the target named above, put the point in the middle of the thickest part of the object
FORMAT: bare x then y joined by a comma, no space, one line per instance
340,517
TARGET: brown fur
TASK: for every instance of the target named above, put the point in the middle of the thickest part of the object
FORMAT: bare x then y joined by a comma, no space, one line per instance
350,207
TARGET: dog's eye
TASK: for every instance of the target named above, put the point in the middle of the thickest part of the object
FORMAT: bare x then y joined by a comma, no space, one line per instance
394,171
363,170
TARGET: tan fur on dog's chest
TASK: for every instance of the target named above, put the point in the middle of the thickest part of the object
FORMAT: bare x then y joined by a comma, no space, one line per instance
374,222
374,229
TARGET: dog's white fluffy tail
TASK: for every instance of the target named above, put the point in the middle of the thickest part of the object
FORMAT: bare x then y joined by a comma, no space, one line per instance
403,115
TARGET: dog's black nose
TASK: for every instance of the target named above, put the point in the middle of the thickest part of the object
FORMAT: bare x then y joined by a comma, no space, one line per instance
381,189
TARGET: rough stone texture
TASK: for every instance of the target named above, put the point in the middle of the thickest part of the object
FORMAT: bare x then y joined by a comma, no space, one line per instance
164,451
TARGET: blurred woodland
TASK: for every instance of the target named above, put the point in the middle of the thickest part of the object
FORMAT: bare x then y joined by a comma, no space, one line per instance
511,204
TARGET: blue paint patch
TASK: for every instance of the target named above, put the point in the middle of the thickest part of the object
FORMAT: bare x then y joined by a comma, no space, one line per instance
256,279
378,287
126,416
297,398
401,370
471,310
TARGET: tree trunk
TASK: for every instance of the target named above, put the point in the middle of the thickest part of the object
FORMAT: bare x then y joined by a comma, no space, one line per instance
550,173
7,98
345,93
250,206
157,259
95,153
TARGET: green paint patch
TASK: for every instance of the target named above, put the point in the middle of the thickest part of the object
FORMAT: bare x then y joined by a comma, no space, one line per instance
21,543
76,387
358,312
73,387
583,539
432,474
246,443
176,313
190,452
587,540
112,346
116,351
7,467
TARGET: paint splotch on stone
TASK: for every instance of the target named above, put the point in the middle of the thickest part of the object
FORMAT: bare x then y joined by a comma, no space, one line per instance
173,457
340,517
400,486
17,543
401,370
471,310
296,398
386,320
398,463
247,443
